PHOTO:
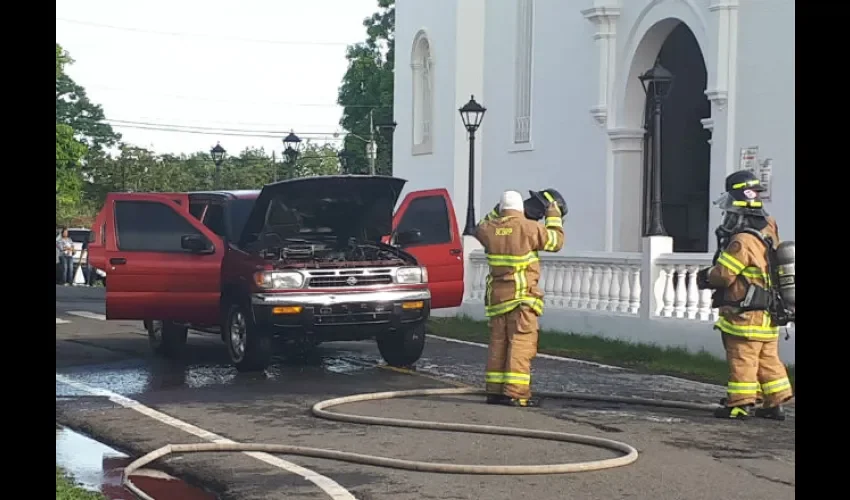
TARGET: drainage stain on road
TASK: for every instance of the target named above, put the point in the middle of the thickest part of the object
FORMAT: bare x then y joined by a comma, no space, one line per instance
97,467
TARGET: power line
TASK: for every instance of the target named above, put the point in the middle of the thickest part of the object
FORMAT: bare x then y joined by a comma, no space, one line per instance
224,129
143,92
191,129
328,137
200,35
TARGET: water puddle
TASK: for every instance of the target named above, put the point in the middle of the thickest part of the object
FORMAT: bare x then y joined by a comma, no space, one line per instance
97,467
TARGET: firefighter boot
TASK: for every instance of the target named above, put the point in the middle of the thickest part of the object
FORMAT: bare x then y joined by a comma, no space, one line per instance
772,413
532,402
497,399
734,412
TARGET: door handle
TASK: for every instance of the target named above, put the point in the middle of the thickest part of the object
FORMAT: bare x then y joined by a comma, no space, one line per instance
115,261
455,251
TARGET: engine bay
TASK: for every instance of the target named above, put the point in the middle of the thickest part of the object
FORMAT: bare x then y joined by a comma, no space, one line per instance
294,252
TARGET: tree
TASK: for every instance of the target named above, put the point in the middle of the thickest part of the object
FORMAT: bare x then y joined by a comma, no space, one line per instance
75,109
317,160
367,88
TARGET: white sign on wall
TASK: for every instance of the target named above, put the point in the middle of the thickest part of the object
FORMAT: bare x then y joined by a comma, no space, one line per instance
763,170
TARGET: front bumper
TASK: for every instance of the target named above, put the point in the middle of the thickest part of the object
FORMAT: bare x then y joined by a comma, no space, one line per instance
334,313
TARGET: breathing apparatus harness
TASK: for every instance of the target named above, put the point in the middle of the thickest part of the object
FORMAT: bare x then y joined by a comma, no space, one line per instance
758,298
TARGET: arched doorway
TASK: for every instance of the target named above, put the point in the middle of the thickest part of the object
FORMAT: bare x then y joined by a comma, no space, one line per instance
685,147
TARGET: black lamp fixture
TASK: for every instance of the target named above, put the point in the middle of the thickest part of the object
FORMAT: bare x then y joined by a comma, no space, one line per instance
471,114
657,82
218,154
343,156
292,146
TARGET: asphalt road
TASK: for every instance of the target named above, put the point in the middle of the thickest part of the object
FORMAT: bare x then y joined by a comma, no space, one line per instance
115,390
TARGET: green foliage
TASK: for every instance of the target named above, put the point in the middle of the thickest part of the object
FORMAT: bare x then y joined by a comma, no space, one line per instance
67,490
367,86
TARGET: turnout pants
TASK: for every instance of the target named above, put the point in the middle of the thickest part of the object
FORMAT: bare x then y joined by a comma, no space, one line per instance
513,344
755,367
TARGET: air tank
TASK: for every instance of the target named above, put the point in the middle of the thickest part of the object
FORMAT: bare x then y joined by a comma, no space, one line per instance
785,259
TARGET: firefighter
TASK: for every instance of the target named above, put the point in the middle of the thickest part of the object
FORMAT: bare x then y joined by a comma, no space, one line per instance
513,301
741,280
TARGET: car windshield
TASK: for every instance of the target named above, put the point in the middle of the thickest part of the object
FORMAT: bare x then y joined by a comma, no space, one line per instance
79,236
240,209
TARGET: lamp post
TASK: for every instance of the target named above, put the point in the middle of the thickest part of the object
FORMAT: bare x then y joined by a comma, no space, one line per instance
217,153
343,156
371,145
656,82
292,148
471,114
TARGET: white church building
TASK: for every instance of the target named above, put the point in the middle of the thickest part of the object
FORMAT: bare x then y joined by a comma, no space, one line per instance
566,110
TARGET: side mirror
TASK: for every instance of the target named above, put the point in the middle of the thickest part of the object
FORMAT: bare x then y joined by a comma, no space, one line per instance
195,243
409,237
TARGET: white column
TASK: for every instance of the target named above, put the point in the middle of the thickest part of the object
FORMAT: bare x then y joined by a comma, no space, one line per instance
653,247
626,202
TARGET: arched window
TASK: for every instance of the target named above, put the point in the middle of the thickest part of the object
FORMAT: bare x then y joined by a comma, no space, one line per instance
422,65
523,69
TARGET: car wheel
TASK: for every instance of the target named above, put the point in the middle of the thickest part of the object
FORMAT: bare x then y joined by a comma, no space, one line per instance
402,347
249,347
166,338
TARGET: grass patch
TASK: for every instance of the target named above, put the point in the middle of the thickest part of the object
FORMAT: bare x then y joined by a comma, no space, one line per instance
66,489
645,358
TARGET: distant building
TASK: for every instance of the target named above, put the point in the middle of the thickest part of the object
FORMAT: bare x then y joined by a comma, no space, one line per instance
565,108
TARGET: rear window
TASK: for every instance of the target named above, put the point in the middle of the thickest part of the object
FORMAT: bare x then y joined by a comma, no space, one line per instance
79,236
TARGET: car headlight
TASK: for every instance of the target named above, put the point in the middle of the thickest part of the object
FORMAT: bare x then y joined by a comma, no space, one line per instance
411,275
279,280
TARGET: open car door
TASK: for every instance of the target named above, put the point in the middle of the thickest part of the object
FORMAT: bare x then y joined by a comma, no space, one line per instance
437,246
161,262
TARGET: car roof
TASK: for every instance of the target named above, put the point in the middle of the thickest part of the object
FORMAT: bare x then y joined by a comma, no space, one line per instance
248,194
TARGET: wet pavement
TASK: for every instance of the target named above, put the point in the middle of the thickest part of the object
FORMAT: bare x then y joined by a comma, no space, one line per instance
684,454
97,467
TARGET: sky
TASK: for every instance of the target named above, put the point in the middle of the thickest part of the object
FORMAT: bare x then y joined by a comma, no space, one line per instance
265,66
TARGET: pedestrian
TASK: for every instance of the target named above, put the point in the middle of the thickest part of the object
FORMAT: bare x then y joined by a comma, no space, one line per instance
742,283
89,273
513,300
66,256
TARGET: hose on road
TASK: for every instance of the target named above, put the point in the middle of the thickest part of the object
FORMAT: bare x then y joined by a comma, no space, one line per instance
320,410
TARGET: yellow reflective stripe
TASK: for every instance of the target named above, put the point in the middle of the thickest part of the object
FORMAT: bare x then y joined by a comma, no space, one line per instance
489,289
551,240
754,182
494,377
553,222
742,387
754,272
515,378
775,386
494,214
548,197
520,282
765,331
730,263
496,260
751,203
505,307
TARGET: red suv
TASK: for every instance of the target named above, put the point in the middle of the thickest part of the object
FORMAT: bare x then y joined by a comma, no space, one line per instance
308,260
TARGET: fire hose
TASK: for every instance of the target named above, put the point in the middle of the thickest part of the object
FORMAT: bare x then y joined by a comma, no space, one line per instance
320,410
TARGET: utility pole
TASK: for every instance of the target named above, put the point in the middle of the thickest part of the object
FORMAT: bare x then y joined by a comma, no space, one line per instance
371,147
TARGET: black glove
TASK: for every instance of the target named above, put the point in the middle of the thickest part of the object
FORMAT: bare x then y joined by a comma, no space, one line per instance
702,279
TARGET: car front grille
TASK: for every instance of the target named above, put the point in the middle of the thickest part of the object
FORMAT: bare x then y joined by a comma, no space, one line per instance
349,278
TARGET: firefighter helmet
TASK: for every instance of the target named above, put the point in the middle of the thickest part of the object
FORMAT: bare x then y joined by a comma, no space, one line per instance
742,195
535,206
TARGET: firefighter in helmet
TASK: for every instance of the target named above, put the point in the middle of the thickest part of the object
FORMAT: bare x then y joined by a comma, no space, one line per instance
513,300
741,280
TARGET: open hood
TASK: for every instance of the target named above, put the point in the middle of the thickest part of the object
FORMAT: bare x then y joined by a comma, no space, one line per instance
342,206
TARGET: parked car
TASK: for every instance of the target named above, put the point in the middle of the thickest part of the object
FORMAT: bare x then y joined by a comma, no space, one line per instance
78,235
311,260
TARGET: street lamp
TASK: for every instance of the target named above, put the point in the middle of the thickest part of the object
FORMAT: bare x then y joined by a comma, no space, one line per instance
344,156
656,82
292,148
217,153
471,114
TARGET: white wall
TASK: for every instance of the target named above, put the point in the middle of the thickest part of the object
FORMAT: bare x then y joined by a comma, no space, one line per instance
567,148
435,170
766,96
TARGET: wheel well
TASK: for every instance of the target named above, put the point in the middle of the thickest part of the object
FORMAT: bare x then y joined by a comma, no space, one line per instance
229,295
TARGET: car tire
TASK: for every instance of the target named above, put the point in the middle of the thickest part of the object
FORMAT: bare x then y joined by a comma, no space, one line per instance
250,348
403,347
167,339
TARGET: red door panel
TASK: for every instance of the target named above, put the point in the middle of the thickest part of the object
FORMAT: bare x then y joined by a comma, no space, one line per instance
441,249
148,275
